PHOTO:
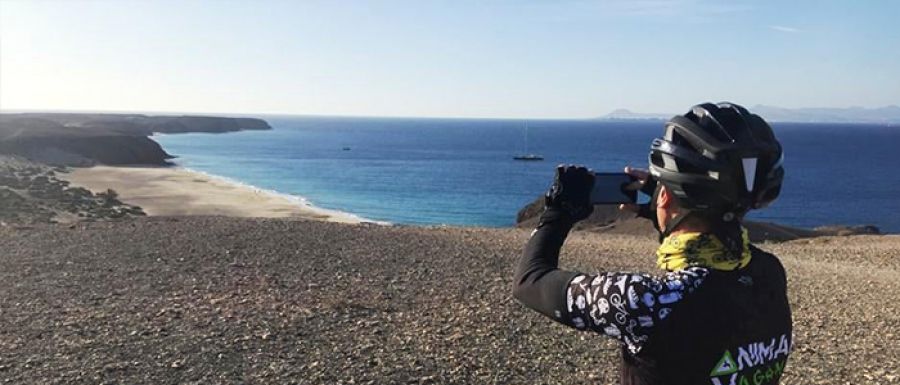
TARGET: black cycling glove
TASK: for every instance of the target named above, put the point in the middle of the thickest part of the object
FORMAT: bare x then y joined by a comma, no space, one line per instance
571,192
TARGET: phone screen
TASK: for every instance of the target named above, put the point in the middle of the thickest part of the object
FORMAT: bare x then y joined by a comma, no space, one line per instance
609,188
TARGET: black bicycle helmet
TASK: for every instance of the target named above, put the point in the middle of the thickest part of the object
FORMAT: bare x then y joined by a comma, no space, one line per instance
719,160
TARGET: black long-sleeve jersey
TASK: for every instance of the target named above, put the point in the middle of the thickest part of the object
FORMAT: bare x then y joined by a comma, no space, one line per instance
692,326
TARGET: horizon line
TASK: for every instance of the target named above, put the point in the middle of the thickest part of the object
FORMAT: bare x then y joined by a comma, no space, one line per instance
280,114
249,114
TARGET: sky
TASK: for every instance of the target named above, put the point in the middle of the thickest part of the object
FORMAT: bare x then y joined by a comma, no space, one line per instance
513,59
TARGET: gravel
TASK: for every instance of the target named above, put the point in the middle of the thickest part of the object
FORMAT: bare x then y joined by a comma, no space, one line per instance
235,301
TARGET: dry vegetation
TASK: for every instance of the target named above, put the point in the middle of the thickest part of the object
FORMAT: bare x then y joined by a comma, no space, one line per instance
31,193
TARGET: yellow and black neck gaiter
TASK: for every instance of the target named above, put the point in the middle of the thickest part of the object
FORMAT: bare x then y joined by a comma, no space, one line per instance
682,250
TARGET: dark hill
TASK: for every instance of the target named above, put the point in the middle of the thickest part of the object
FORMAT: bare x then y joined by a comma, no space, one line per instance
114,139
142,124
608,219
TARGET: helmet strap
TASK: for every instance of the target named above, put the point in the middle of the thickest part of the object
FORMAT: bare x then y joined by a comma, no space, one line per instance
727,228
673,224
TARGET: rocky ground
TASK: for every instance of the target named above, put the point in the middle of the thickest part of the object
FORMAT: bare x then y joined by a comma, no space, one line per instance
31,193
220,301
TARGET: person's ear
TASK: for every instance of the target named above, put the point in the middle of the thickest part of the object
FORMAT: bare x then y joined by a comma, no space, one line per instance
664,198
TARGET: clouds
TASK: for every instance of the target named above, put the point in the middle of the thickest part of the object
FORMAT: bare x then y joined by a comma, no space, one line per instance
781,28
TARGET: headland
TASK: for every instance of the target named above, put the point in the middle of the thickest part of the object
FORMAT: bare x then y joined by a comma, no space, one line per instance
96,153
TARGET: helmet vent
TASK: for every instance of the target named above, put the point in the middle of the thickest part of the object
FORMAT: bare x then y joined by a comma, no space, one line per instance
749,172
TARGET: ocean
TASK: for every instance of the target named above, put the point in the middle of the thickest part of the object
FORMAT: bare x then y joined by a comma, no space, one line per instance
461,171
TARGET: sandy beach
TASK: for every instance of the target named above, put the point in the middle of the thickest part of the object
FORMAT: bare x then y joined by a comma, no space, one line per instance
174,191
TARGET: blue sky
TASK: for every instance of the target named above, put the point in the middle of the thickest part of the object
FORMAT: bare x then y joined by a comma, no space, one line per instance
564,59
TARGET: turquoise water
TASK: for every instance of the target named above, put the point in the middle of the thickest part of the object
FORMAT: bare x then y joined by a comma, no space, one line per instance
461,171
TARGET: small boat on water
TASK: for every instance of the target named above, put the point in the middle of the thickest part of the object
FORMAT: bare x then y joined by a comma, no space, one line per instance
346,148
527,156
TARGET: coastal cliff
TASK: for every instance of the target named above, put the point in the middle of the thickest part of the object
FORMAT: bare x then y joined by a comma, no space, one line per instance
113,139
184,124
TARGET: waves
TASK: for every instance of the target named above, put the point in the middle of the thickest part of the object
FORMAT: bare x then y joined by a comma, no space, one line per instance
295,199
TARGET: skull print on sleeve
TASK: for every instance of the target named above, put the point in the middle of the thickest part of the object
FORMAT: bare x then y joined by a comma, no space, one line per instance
627,306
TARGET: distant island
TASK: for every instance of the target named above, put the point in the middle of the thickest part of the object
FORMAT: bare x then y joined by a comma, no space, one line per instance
84,139
625,114
883,115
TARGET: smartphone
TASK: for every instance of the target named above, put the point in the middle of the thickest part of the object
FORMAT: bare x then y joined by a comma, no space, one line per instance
609,188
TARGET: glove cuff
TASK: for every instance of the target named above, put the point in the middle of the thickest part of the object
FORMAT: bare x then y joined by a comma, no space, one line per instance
556,216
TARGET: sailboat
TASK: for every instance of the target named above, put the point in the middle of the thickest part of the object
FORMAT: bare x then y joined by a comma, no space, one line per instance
527,155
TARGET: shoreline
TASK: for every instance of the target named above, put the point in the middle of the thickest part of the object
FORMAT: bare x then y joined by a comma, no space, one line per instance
179,191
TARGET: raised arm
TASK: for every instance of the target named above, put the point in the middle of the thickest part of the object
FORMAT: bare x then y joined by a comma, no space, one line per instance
621,305
624,306
538,283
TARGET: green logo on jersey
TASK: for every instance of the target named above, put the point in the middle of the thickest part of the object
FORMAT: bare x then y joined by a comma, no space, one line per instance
725,366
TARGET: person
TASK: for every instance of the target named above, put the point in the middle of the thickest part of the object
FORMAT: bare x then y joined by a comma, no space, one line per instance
718,313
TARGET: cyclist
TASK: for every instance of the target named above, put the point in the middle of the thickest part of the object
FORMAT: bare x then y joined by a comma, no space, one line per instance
718,313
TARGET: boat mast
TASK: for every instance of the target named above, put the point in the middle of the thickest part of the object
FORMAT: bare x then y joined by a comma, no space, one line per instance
526,138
